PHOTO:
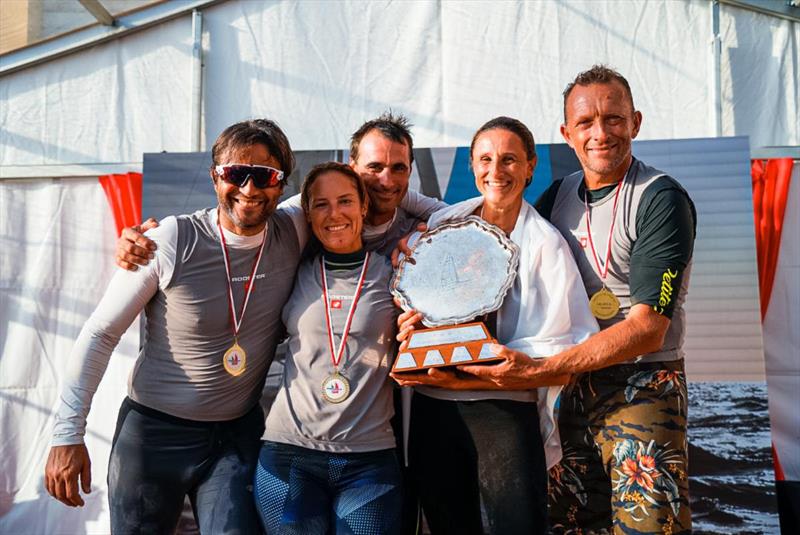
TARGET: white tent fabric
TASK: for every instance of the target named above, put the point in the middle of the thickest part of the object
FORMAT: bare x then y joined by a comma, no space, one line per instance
57,238
107,104
760,77
320,68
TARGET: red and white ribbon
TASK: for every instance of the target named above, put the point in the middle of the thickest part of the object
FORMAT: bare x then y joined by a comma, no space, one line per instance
602,271
336,356
250,284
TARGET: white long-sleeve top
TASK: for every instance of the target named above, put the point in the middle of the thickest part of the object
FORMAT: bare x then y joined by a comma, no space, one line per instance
545,312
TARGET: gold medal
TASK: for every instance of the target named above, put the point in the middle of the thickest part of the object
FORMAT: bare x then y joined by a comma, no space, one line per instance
604,304
335,388
235,360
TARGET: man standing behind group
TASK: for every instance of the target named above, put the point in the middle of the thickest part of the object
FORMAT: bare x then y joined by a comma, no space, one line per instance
382,152
622,423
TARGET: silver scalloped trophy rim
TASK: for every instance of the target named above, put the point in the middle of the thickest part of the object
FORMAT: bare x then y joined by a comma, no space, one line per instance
511,274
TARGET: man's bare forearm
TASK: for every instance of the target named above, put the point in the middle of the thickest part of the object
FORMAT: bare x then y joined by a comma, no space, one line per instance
640,333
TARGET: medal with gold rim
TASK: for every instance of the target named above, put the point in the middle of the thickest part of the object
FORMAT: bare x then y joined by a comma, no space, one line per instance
336,387
235,358
603,303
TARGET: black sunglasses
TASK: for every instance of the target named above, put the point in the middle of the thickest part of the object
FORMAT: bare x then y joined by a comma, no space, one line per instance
238,174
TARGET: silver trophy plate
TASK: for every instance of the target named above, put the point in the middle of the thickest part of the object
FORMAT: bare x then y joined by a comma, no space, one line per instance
463,269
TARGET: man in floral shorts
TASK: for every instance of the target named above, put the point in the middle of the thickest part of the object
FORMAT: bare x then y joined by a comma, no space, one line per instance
622,419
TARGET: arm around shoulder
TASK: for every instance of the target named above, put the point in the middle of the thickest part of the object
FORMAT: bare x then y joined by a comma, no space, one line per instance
134,249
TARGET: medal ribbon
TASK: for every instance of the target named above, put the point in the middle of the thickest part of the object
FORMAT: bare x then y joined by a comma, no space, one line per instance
602,270
237,322
336,357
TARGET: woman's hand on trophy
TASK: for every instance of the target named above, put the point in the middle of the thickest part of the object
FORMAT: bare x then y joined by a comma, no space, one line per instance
517,371
407,322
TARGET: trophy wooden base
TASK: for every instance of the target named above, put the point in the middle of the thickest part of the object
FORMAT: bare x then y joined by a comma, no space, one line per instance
467,343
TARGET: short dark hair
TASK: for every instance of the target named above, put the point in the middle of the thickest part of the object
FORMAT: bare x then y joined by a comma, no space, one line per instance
393,126
514,126
338,167
598,74
252,132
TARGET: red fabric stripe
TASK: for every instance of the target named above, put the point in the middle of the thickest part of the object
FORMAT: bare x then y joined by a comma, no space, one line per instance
771,180
770,192
779,475
124,194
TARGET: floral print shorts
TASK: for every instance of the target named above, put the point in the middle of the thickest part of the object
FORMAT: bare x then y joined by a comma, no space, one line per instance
624,469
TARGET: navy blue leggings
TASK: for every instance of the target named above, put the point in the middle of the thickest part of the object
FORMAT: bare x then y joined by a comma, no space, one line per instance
299,490
158,459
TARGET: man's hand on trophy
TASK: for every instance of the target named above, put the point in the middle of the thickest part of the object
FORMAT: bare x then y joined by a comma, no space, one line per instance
403,248
134,249
517,371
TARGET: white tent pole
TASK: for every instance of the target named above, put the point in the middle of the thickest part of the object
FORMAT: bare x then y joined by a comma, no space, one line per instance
98,11
197,79
716,66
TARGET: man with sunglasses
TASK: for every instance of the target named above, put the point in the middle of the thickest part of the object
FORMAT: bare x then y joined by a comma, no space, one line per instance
192,423
263,176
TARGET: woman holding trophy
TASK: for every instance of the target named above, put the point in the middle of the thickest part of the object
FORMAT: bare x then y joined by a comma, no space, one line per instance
471,444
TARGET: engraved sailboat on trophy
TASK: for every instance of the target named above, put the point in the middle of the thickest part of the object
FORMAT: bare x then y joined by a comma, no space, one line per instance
450,276
476,265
